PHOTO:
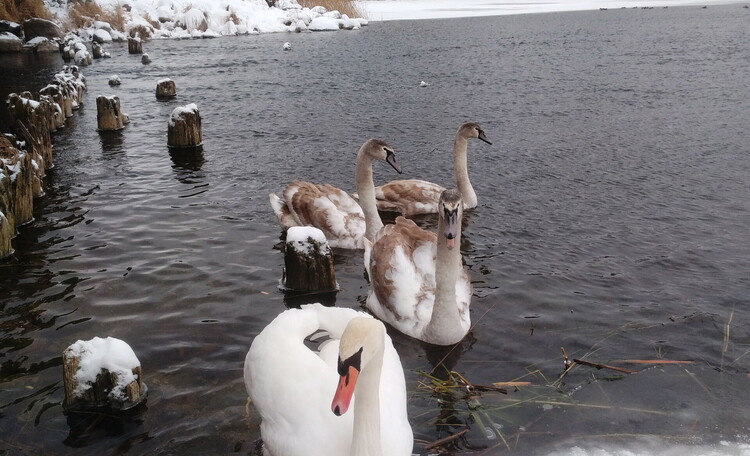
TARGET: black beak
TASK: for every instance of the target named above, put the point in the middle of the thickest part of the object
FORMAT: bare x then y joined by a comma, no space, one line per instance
483,137
391,159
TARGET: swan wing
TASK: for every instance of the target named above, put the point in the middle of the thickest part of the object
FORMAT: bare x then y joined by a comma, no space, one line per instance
328,208
402,276
292,385
409,196
282,212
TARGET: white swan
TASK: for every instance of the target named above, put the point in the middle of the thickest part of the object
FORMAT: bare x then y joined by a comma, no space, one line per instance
417,280
414,196
334,211
294,388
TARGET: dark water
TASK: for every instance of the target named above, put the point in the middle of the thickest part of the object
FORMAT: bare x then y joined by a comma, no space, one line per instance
613,222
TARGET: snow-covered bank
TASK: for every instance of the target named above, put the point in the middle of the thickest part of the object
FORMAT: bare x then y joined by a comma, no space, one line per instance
388,10
210,18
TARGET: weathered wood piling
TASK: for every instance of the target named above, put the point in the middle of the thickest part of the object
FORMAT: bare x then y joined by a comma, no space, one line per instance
26,154
135,45
102,373
166,88
109,116
308,261
184,129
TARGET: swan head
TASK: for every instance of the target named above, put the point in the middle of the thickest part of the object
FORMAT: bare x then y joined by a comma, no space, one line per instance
450,211
361,342
380,150
472,130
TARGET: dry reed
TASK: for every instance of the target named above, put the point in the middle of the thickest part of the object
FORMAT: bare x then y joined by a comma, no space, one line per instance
347,7
20,10
84,13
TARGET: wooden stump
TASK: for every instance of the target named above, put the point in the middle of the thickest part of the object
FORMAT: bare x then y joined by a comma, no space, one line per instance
102,373
166,88
184,129
308,262
109,117
135,45
18,183
97,50
30,120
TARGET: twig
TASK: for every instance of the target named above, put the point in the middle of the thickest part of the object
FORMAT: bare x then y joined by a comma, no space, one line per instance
439,442
603,366
511,384
656,361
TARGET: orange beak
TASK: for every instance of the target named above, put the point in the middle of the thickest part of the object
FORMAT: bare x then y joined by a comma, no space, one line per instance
345,391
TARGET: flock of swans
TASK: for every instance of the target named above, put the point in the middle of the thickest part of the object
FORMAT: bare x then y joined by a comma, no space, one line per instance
418,285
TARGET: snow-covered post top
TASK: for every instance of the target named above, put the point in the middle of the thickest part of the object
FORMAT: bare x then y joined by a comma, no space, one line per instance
185,127
308,262
102,373
166,88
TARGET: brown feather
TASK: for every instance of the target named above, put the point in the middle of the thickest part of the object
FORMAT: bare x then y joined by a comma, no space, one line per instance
405,234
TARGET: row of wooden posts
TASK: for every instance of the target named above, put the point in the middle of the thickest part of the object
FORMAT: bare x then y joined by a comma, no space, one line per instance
23,161
184,128
26,155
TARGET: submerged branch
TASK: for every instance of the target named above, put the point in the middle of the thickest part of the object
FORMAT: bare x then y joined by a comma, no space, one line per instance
439,442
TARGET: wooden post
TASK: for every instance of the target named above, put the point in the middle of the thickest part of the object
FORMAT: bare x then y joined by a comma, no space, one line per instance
97,50
308,262
166,88
135,45
109,117
184,129
102,373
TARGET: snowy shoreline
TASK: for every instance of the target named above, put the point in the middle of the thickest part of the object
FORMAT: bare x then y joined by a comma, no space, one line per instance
186,19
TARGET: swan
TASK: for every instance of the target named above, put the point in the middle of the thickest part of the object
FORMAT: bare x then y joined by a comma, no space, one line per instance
413,196
294,388
418,283
345,223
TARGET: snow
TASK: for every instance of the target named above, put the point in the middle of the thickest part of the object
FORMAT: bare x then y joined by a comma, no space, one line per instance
102,36
36,41
97,354
322,23
7,36
298,236
178,112
180,19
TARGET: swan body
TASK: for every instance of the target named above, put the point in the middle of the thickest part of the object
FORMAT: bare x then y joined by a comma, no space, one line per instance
417,280
413,196
345,223
294,388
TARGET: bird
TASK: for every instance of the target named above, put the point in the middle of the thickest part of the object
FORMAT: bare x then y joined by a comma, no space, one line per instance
413,196
345,223
418,283
287,46
303,394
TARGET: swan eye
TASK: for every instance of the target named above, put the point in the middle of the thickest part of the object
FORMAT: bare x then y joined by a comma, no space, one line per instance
354,361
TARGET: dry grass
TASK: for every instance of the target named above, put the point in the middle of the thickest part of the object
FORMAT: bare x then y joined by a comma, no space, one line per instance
116,18
347,7
20,10
84,13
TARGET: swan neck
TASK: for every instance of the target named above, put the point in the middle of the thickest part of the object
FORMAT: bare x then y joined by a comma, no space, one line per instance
366,438
444,327
461,170
366,192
